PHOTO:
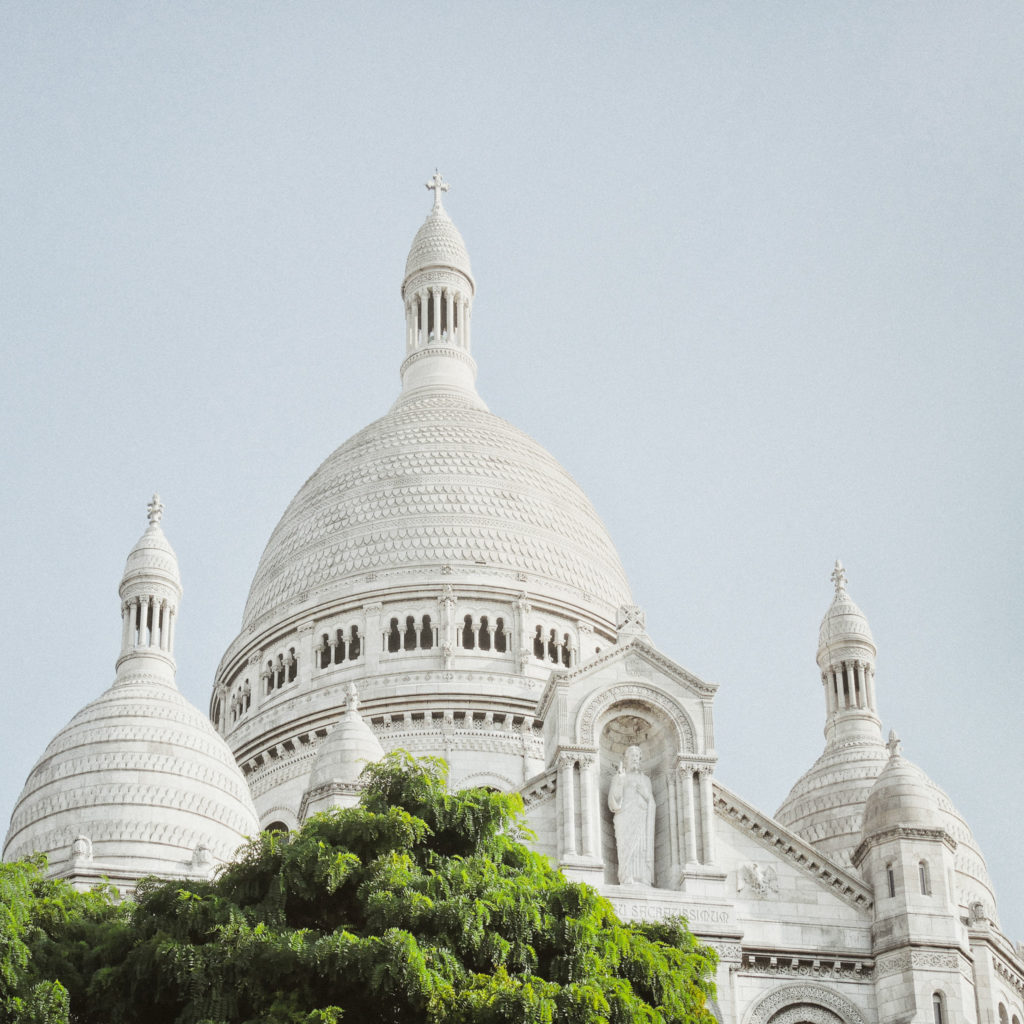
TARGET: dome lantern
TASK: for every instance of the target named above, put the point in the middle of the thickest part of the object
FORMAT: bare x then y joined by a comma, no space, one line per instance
438,291
846,658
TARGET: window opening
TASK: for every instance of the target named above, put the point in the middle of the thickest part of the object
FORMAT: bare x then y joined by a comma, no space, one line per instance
538,644
485,635
939,1008
500,640
553,647
890,877
566,651
924,878
394,637
468,640
409,640
354,645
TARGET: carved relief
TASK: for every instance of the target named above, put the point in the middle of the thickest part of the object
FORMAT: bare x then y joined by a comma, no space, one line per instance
818,998
757,881
638,692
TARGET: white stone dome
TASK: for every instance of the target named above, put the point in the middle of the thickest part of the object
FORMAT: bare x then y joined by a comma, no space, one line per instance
437,482
901,798
438,244
142,775
152,557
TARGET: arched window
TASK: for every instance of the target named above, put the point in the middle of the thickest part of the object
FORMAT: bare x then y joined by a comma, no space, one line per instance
354,645
325,650
500,639
292,664
394,637
427,634
566,651
216,712
939,1008
409,639
468,640
924,878
538,644
1004,1017
553,647
890,878
1016,1019
485,635
276,826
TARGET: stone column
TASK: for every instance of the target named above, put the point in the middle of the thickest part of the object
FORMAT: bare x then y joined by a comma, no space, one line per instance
435,294
589,802
421,330
466,342
673,823
372,632
172,618
707,814
449,316
126,623
685,773
567,805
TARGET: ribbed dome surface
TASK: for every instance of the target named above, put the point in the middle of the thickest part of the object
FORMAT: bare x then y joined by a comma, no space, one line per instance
844,621
143,775
437,481
826,808
438,243
901,797
152,555
346,752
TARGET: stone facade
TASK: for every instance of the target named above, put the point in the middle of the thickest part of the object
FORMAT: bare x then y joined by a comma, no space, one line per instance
441,584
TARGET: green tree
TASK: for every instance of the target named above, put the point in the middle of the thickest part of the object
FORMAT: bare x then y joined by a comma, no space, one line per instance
417,906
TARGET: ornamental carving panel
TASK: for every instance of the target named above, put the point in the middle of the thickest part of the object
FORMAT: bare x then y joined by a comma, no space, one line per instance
804,999
638,692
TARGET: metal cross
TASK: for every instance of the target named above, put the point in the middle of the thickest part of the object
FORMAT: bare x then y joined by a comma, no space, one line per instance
439,185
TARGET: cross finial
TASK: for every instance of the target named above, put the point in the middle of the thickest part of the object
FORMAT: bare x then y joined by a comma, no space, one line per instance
439,185
894,744
155,510
838,577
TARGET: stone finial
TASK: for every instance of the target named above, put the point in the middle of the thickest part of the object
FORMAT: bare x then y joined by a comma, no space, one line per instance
353,697
838,577
155,510
439,185
894,745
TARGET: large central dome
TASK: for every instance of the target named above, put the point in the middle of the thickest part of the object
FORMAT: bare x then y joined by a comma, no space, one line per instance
437,482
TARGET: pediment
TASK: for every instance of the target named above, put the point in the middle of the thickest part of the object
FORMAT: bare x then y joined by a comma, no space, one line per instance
783,846
638,658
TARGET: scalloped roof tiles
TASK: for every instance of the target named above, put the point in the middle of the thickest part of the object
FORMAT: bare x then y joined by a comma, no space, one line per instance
437,481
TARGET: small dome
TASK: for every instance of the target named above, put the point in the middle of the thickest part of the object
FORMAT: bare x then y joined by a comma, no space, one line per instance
152,554
347,750
438,244
137,781
844,622
902,796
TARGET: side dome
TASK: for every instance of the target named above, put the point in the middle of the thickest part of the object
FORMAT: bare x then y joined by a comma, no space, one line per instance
437,482
900,797
137,783
350,746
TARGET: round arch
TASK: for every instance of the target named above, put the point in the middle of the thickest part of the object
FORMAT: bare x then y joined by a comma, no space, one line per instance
804,1004
493,780
593,711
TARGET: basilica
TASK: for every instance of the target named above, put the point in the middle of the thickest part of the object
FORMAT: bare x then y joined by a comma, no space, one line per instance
441,584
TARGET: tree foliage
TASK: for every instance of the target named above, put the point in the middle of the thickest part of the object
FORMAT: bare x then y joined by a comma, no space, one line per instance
417,906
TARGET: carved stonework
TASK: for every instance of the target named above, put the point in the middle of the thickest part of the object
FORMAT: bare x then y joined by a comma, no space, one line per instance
807,998
916,959
635,692
760,882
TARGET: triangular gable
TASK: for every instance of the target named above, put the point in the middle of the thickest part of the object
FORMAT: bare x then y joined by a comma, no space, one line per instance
648,658
789,847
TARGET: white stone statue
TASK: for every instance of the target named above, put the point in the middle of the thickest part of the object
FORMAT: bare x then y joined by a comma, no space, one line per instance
631,800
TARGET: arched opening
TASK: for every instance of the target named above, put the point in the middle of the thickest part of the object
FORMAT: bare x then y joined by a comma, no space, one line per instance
427,634
394,637
890,879
538,644
500,639
468,641
1004,1017
924,878
409,640
277,826
939,1008
354,645
485,636
325,650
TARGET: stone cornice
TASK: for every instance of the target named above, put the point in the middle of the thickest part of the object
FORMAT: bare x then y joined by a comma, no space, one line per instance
791,848
901,832
635,646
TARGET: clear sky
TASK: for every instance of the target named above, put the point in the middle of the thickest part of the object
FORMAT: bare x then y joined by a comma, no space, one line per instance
751,271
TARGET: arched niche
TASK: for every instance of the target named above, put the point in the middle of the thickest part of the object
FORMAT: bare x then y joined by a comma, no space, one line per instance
802,1003
636,715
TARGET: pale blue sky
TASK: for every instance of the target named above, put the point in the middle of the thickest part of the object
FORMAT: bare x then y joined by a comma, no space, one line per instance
751,271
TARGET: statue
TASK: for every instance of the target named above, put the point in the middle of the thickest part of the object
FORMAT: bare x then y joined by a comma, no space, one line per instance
631,800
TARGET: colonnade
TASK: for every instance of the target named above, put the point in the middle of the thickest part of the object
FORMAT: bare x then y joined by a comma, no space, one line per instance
849,684
436,313
147,621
